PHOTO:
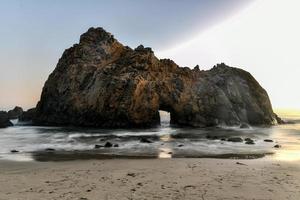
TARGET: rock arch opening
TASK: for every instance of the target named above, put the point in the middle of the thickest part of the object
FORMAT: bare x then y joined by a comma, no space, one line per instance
166,113
165,118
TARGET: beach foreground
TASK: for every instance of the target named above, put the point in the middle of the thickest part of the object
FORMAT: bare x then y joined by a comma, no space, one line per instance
151,179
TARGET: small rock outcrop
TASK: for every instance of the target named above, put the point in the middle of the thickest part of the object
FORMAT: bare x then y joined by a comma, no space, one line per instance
268,140
15,113
235,139
277,146
145,140
249,141
108,145
99,82
4,120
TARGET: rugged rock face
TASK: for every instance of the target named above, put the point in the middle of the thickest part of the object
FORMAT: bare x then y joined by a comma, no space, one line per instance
99,82
4,120
15,113
27,116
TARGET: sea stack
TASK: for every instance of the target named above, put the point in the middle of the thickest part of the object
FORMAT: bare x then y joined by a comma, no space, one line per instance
101,83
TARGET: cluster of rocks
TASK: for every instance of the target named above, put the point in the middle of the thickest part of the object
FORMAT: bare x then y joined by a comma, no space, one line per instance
239,139
101,83
16,113
109,144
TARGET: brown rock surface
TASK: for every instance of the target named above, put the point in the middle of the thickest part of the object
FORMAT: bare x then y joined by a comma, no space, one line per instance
99,82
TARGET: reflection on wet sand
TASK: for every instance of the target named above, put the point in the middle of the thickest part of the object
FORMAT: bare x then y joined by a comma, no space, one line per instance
288,135
166,150
288,155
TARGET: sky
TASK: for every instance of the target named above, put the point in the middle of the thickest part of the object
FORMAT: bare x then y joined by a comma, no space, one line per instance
260,36
262,39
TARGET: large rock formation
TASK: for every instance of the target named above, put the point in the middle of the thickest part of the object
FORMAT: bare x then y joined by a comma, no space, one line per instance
4,120
99,82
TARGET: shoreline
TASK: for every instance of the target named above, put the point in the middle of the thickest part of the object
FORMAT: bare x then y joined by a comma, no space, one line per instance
180,178
82,155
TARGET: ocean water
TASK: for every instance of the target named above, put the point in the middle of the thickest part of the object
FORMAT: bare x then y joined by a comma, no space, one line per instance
69,143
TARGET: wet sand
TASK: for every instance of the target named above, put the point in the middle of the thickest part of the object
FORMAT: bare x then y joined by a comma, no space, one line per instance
202,179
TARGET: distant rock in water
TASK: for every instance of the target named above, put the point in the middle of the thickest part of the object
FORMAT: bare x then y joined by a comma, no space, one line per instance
268,140
277,146
15,113
235,139
4,120
99,82
249,141
145,140
108,145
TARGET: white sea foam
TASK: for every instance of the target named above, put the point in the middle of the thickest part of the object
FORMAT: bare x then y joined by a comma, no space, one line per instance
181,141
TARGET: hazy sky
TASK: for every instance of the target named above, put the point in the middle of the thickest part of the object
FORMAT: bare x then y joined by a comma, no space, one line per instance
264,39
260,36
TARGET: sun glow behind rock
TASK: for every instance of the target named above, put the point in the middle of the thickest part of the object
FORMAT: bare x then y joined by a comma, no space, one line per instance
288,113
290,150
262,39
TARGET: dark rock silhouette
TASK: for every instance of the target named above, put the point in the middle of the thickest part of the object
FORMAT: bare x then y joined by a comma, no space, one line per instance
99,82
235,139
145,140
49,149
15,113
249,141
108,145
4,120
268,140
28,115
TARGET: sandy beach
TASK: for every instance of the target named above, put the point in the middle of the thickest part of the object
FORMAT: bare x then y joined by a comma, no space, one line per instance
207,179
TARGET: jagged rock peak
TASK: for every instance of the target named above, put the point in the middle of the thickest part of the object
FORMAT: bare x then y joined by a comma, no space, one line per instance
96,35
197,68
143,49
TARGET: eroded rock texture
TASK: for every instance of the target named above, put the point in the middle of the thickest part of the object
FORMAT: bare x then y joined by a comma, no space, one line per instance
99,82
